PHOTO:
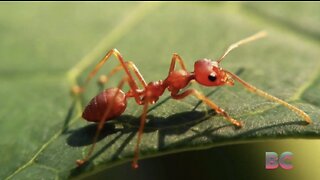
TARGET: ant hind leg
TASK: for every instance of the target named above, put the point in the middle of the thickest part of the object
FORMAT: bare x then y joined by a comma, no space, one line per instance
79,89
140,132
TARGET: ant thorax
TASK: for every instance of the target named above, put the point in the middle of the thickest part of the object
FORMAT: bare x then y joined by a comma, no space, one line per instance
154,90
178,79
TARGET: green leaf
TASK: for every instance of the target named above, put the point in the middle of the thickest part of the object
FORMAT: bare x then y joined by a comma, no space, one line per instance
47,47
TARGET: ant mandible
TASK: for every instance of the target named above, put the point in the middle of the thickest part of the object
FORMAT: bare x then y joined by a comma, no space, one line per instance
112,102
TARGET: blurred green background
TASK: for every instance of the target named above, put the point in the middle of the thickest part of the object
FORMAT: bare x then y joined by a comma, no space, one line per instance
46,47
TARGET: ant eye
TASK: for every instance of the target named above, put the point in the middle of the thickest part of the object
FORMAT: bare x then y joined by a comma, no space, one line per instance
212,77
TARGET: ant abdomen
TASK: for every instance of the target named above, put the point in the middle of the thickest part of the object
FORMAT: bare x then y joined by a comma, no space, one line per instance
112,100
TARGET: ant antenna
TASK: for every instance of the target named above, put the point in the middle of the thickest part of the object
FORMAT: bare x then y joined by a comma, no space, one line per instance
254,37
270,97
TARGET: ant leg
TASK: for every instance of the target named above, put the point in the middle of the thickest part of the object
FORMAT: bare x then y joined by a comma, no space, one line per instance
209,103
104,78
116,53
270,97
133,67
175,58
142,123
101,123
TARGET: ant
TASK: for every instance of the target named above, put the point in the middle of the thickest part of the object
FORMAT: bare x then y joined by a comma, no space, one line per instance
112,102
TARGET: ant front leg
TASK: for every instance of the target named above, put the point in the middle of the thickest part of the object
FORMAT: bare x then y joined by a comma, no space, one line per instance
214,106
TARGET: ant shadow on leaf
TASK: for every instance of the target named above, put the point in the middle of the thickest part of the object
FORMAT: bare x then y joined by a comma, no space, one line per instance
175,124
70,113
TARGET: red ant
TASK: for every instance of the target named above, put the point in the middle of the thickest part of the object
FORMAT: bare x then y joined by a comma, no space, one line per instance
112,102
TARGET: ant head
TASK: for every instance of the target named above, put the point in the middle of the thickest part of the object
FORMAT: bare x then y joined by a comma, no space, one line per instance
208,73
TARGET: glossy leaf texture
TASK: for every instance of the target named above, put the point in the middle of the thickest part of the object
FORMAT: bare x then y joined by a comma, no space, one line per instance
48,47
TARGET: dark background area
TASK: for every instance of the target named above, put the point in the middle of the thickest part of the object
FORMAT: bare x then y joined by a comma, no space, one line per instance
239,161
